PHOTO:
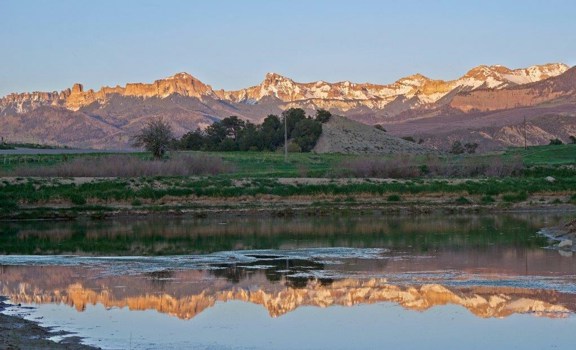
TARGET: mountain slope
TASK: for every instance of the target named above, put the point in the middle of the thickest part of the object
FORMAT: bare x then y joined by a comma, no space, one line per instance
414,105
532,94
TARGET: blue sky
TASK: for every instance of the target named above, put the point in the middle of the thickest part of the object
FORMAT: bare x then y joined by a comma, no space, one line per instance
49,45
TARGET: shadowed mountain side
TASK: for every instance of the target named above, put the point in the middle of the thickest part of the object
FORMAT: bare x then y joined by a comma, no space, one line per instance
494,130
532,94
342,135
59,126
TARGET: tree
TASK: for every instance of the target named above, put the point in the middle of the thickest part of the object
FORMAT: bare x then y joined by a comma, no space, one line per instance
193,140
323,116
233,126
293,116
272,133
572,139
306,134
155,137
555,141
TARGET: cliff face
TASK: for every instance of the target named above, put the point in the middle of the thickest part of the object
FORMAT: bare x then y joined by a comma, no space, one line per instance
181,84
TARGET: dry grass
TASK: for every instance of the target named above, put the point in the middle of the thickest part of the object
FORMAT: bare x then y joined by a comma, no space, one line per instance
128,166
409,166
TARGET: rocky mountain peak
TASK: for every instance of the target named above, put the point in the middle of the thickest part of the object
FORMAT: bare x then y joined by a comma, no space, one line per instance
181,76
77,88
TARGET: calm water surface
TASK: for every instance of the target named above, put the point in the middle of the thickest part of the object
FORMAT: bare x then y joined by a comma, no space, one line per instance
419,282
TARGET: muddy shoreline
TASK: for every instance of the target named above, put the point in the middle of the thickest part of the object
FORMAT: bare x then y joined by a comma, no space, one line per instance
563,238
303,206
18,333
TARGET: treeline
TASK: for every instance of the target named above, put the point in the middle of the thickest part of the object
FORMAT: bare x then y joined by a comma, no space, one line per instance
234,134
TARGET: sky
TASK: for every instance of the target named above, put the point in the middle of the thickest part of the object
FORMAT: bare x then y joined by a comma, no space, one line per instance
50,45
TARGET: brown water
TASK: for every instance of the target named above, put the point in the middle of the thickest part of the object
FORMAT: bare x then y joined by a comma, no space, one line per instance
368,282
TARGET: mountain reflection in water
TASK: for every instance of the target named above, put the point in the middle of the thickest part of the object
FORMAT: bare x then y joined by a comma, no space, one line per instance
284,284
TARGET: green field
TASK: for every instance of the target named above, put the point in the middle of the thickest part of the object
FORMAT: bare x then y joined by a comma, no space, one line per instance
545,155
272,164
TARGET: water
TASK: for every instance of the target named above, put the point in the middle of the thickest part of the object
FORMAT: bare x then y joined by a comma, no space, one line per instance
311,283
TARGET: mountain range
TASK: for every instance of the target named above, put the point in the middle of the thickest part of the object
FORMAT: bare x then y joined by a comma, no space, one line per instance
493,106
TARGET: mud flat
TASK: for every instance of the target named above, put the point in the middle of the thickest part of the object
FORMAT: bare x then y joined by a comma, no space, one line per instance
18,333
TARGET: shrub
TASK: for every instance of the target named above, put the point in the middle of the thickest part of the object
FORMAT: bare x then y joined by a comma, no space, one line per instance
7,204
457,148
129,166
462,201
515,197
77,199
393,198
487,199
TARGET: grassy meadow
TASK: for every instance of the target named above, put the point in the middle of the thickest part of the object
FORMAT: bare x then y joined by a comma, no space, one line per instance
66,186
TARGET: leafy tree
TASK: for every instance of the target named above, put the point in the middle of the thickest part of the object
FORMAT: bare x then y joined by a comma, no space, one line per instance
193,140
215,134
233,126
323,116
572,139
306,133
249,138
155,137
379,127
556,141
272,133
232,133
292,116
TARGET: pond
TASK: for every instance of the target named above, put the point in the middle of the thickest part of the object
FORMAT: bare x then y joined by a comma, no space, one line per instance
367,282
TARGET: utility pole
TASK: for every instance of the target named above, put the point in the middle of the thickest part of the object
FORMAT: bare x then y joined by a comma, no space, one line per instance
285,139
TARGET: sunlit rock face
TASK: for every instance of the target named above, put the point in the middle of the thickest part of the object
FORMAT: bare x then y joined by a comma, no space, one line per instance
195,291
340,95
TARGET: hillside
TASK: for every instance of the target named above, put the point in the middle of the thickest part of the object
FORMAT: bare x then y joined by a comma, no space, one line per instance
342,135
